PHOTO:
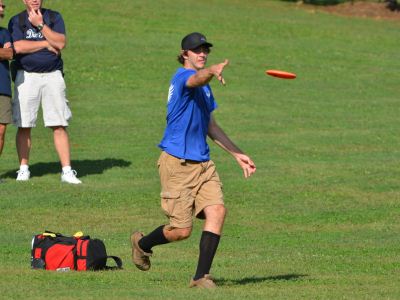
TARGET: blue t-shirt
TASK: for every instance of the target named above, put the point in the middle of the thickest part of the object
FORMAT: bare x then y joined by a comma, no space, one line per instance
41,61
5,82
188,115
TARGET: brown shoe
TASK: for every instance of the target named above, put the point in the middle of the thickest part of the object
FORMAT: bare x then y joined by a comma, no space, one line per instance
139,257
206,282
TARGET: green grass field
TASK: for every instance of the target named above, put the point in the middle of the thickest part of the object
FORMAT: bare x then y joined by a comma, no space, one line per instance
320,218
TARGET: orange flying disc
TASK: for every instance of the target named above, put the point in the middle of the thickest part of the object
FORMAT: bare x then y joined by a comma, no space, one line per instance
281,74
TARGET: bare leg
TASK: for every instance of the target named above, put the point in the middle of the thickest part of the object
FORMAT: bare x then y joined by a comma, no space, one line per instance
177,234
61,143
3,128
215,217
23,141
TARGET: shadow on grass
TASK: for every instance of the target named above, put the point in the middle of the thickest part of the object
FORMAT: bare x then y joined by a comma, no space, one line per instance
83,167
257,279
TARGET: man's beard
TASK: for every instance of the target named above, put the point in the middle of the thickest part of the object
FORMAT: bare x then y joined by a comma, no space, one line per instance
1,16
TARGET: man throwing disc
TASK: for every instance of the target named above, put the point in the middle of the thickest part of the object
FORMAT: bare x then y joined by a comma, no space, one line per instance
190,185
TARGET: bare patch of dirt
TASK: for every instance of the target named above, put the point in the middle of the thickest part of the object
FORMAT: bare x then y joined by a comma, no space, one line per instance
375,10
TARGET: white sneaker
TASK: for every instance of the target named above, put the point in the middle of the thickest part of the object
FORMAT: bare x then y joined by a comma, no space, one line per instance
23,175
70,177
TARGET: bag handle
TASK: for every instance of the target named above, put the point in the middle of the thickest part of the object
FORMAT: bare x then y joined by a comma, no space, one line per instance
117,260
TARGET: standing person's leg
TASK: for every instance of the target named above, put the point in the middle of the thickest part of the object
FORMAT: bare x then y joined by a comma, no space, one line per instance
24,144
61,143
3,128
25,107
56,114
5,118
2,137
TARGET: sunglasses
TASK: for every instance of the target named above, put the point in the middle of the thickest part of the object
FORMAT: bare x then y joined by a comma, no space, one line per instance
2,6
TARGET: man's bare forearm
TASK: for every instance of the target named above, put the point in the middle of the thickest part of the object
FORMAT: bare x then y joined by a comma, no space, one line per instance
221,139
201,78
55,39
23,47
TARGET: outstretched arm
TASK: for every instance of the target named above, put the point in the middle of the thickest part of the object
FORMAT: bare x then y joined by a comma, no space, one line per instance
221,139
204,76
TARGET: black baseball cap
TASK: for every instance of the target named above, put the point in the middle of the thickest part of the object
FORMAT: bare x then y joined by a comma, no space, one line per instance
194,40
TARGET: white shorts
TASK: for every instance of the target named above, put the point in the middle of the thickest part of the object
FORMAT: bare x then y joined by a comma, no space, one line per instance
32,88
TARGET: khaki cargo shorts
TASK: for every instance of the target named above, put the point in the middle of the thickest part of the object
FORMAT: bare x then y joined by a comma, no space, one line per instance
187,187
5,110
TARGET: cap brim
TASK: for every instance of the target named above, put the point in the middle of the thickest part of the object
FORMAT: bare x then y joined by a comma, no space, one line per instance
207,44
200,44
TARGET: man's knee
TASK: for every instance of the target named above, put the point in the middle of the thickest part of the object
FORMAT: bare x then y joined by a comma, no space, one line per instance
57,129
184,233
24,129
217,211
23,132
177,234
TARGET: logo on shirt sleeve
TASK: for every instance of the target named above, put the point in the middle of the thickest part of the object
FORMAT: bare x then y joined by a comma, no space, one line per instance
207,91
170,92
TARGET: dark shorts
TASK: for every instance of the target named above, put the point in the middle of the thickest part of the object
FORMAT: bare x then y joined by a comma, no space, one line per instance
5,109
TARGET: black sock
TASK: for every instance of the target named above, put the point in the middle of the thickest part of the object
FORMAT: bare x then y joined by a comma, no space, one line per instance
154,238
208,246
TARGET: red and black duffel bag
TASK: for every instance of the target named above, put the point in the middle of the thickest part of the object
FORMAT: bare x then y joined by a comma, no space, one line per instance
53,251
